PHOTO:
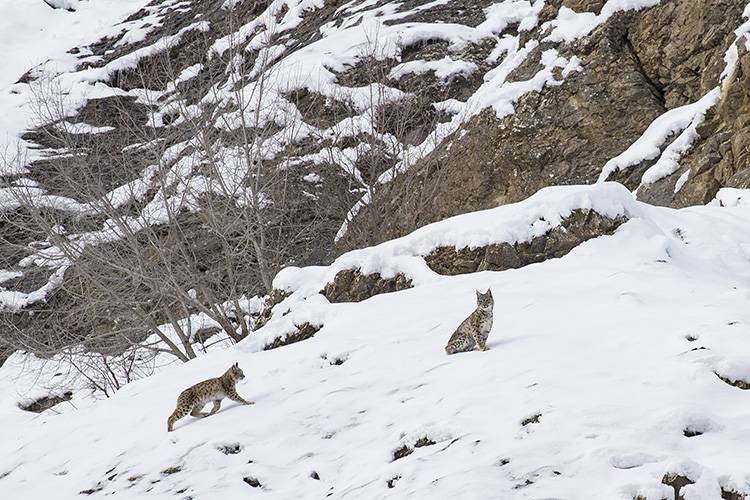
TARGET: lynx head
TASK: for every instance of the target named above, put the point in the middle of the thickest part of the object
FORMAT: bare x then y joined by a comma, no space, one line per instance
236,372
484,300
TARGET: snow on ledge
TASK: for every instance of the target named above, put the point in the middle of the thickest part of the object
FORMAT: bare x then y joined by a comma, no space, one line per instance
570,25
514,223
732,197
445,69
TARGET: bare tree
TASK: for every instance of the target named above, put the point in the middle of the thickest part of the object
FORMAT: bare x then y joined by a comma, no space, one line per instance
203,225
157,218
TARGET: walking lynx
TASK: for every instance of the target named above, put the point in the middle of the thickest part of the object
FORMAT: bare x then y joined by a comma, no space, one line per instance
475,329
193,399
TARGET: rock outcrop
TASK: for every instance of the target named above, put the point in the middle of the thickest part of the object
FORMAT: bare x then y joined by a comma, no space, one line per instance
721,155
302,332
352,286
580,226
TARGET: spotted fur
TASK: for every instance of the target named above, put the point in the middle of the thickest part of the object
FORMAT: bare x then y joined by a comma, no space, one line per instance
193,399
473,331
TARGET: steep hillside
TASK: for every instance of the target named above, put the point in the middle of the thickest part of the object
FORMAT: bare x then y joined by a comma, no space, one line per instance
413,111
612,370
316,189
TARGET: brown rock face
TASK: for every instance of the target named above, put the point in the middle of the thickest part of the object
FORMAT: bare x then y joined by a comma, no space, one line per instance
721,156
580,226
680,45
636,66
353,286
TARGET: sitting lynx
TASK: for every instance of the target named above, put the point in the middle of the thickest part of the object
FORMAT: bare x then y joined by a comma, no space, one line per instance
475,329
193,399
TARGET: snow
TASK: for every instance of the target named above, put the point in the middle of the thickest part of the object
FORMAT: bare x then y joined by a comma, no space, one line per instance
732,197
647,146
33,33
668,161
596,341
82,128
63,4
731,55
681,180
570,25
515,223
445,69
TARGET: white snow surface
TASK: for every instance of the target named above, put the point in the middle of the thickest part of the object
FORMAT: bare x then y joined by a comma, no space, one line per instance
616,345
32,33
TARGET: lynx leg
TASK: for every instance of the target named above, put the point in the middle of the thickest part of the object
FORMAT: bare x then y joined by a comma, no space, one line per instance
217,405
236,397
479,341
460,343
197,413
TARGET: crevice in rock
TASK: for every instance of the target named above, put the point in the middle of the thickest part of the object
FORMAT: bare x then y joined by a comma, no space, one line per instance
656,89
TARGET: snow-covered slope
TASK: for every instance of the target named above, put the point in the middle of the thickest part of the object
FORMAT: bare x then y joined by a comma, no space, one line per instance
615,347
32,33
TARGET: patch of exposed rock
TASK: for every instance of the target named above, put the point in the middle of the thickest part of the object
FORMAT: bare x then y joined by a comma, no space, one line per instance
351,285
580,226
720,157
740,384
46,402
303,332
732,495
406,450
